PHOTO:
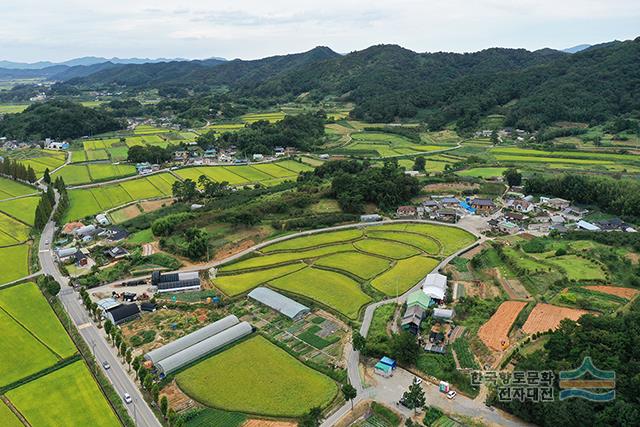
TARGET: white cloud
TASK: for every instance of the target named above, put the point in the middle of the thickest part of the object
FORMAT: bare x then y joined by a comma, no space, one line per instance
44,29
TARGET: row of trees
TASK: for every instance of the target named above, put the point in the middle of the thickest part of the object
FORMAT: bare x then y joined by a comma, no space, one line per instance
44,209
17,171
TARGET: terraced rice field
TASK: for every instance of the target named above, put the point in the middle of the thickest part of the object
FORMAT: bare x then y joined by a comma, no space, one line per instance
40,160
333,290
578,268
68,396
269,117
15,262
482,172
268,174
91,201
386,256
257,378
380,144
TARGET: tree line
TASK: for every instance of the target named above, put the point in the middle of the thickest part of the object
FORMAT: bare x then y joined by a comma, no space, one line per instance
17,171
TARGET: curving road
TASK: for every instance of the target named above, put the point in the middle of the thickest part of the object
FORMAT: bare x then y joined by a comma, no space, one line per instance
139,411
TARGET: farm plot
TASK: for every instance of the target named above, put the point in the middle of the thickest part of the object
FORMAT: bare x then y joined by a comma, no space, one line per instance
68,396
26,304
90,201
21,354
269,117
23,209
387,248
314,240
545,317
15,262
10,188
258,378
40,160
405,274
626,293
326,287
363,266
482,172
495,332
379,144
107,171
425,243
7,418
239,283
578,268
451,239
11,231
73,174
284,257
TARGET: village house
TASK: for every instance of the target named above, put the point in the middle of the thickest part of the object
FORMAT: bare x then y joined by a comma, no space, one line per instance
406,212
615,224
508,227
483,206
514,216
520,205
449,202
116,253
555,203
447,215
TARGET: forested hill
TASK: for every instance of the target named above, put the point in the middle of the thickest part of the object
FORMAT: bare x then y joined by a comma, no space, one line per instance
386,82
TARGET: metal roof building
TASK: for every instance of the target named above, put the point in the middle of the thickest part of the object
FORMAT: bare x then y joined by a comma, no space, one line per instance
122,313
196,351
193,338
285,305
435,285
173,282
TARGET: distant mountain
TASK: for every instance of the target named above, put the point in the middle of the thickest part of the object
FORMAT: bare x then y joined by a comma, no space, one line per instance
576,49
89,60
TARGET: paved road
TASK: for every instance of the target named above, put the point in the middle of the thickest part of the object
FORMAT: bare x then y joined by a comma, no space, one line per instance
139,410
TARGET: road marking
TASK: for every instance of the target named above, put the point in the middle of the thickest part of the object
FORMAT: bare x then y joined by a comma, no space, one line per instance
43,250
84,325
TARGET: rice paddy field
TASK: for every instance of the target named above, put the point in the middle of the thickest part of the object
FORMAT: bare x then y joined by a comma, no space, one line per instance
10,188
91,201
485,173
346,269
94,172
258,378
12,231
22,209
15,262
67,396
382,145
267,174
12,108
269,117
38,159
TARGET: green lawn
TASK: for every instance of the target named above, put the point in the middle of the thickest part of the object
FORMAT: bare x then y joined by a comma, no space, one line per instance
239,283
425,243
362,265
143,236
27,305
334,290
314,240
404,275
15,263
68,396
386,248
257,377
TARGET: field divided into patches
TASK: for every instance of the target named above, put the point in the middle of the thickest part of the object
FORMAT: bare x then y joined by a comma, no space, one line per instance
382,144
90,201
336,268
94,172
15,262
267,174
38,159
22,209
10,188
258,378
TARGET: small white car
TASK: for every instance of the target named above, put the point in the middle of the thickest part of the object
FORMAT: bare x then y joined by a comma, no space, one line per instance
106,365
417,380
451,394
127,398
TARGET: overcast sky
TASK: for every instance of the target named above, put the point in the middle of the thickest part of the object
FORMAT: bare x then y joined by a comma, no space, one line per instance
32,30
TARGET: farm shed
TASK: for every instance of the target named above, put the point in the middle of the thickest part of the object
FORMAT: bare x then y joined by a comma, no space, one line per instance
285,305
175,282
434,285
198,350
384,370
193,338
389,362
107,304
587,226
412,319
443,313
122,313
418,298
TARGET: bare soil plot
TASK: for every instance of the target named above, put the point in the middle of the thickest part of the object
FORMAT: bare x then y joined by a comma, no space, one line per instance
618,291
268,423
494,333
546,316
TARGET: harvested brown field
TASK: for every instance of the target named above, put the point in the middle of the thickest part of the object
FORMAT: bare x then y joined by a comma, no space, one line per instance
495,332
618,291
154,205
544,317
450,186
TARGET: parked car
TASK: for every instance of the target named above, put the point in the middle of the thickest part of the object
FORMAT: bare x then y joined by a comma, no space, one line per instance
127,398
417,380
451,394
106,365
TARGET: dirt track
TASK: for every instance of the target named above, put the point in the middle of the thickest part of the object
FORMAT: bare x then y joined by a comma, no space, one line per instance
494,333
546,316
